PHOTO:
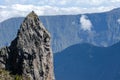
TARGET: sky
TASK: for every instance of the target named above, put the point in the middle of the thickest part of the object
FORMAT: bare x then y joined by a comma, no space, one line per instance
20,8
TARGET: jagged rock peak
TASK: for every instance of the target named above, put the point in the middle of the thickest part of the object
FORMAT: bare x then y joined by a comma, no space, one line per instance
32,14
30,53
32,21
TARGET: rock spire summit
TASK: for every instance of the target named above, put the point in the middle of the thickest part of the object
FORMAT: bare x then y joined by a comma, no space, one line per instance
30,54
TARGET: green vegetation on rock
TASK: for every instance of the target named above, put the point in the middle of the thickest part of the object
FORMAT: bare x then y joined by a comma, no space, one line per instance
5,75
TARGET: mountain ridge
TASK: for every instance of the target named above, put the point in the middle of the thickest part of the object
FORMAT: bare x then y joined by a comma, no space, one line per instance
66,30
88,62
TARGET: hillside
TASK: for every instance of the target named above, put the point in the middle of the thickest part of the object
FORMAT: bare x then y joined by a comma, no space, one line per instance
88,62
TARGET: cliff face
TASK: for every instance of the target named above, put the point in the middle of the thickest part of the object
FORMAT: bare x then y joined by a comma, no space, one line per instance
105,30
29,54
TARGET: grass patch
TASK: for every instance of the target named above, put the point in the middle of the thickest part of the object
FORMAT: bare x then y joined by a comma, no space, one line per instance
5,75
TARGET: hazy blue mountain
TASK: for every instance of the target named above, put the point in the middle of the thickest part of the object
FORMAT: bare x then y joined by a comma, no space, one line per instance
88,62
66,30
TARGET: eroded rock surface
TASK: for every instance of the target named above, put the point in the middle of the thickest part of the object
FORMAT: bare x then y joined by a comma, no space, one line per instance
29,54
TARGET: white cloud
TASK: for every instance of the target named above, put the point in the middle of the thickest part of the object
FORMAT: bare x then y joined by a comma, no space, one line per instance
115,1
118,21
86,24
78,2
91,2
96,2
17,10
63,2
2,7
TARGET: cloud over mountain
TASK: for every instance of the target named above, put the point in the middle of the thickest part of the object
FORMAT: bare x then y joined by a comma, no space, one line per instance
17,10
85,23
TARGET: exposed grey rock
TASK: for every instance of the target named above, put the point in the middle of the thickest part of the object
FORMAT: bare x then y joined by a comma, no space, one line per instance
30,54
3,56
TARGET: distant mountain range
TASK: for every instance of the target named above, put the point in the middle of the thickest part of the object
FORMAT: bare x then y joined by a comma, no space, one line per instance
88,62
100,29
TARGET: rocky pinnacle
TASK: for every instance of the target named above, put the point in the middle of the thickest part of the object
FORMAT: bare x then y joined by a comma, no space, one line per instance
30,54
